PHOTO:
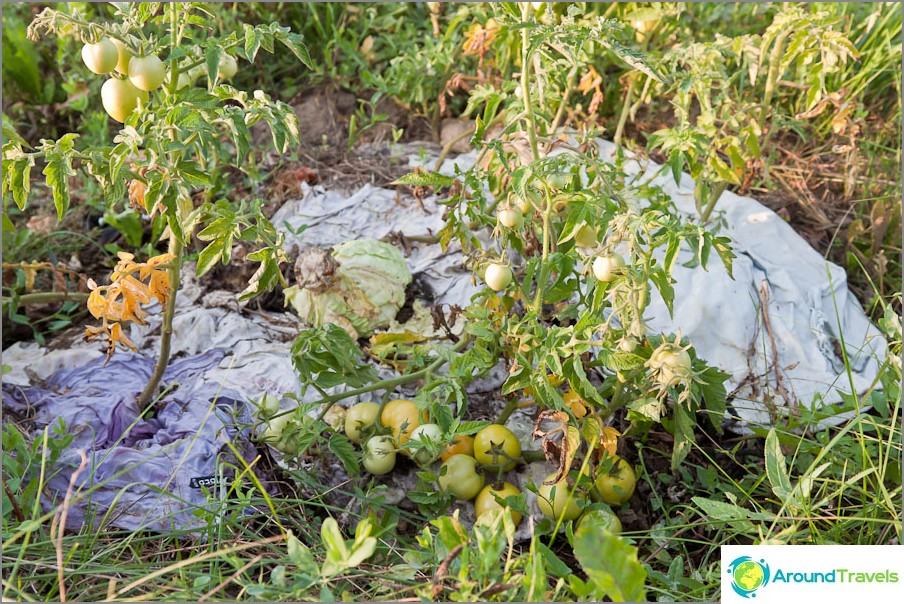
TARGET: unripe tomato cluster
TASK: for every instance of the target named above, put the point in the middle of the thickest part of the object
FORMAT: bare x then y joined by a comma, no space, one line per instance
133,77
465,460
564,500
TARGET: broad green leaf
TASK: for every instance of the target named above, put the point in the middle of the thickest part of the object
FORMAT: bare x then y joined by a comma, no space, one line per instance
611,564
343,449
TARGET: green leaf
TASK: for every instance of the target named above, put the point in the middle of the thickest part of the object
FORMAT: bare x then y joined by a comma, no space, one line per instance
328,356
611,564
426,179
554,565
301,555
294,43
209,257
776,470
252,42
58,170
343,449
684,434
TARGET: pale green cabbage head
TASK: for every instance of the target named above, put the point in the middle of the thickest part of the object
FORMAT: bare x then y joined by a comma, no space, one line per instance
359,286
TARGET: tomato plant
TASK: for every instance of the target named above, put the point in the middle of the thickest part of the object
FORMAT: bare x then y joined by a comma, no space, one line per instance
168,151
497,447
459,477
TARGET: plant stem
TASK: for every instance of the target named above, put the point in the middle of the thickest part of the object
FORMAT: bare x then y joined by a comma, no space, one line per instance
544,266
166,329
332,399
623,118
175,248
525,82
510,406
560,113
48,298
714,196
775,61
530,456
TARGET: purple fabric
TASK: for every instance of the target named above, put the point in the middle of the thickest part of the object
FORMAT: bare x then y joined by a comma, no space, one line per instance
150,475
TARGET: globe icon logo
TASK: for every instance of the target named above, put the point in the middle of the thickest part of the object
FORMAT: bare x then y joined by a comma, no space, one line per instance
748,575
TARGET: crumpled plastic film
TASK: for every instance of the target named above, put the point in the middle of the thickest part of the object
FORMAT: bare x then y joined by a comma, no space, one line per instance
155,473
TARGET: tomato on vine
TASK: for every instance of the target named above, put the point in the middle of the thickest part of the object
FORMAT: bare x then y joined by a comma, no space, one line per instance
459,477
402,417
100,57
615,485
228,67
605,268
486,500
461,445
557,500
425,434
147,73
379,455
498,276
120,98
358,417
497,446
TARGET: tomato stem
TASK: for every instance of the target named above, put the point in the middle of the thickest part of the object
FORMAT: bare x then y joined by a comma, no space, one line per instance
389,384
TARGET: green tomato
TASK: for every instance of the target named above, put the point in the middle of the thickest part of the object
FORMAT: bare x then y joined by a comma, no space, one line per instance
273,435
358,417
496,446
558,180
425,434
605,517
526,204
147,73
672,362
123,56
268,405
586,236
379,455
486,500
101,57
606,267
120,98
511,218
556,500
228,67
460,478
617,485
498,276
